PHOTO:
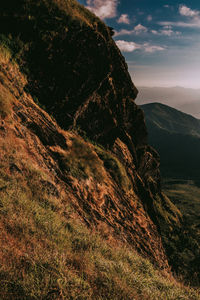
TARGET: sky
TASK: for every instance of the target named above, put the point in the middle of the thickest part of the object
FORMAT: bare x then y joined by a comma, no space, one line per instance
160,39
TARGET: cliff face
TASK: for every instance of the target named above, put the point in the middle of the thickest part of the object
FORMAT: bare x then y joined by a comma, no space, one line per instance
74,68
104,193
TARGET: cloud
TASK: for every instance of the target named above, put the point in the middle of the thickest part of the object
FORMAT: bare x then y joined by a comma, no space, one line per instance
188,12
123,32
136,30
195,24
152,48
124,18
166,31
193,15
126,46
104,9
149,18
139,29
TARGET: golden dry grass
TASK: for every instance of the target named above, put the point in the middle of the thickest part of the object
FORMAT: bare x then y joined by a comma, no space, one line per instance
46,253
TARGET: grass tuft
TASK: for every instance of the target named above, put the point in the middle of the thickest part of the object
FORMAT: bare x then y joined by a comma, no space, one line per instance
115,168
6,100
81,161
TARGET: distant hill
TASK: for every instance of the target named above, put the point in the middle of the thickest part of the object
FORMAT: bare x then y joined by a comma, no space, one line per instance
176,136
185,99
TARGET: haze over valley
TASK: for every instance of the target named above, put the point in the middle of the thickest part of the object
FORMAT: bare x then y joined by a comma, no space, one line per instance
186,100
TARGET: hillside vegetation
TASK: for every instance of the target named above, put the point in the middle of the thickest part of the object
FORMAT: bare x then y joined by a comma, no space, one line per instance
46,253
185,194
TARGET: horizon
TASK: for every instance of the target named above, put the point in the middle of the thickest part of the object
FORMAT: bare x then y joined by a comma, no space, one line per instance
168,87
159,40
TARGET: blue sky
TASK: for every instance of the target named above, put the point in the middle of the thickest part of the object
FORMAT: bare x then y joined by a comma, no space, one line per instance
159,39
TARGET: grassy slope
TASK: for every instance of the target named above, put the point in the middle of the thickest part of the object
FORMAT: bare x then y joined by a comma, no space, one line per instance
185,195
47,254
170,119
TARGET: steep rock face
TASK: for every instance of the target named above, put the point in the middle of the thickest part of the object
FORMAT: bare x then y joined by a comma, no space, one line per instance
78,73
30,140
75,69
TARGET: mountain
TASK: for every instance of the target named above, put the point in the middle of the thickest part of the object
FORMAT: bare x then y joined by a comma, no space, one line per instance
170,119
81,205
176,136
184,99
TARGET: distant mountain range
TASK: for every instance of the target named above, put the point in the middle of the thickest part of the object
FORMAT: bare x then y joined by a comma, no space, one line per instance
185,99
176,136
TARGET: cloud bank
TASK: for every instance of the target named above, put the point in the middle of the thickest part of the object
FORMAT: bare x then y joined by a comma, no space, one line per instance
192,18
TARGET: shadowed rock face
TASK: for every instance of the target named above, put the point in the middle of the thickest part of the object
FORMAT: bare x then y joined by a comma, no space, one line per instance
76,70
78,73
118,209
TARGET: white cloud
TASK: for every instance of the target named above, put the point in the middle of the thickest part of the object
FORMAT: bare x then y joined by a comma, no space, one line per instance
104,9
124,18
139,29
124,32
152,48
166,31
156,32
136,30
195,24
193,15
126,46
188,12
149,18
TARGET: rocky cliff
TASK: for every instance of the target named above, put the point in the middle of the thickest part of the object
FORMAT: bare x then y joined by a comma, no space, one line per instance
59,59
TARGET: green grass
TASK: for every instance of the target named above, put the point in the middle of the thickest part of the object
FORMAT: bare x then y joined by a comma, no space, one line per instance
167,211
186,195
46,252
46,255
183,242
81,161
114,167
